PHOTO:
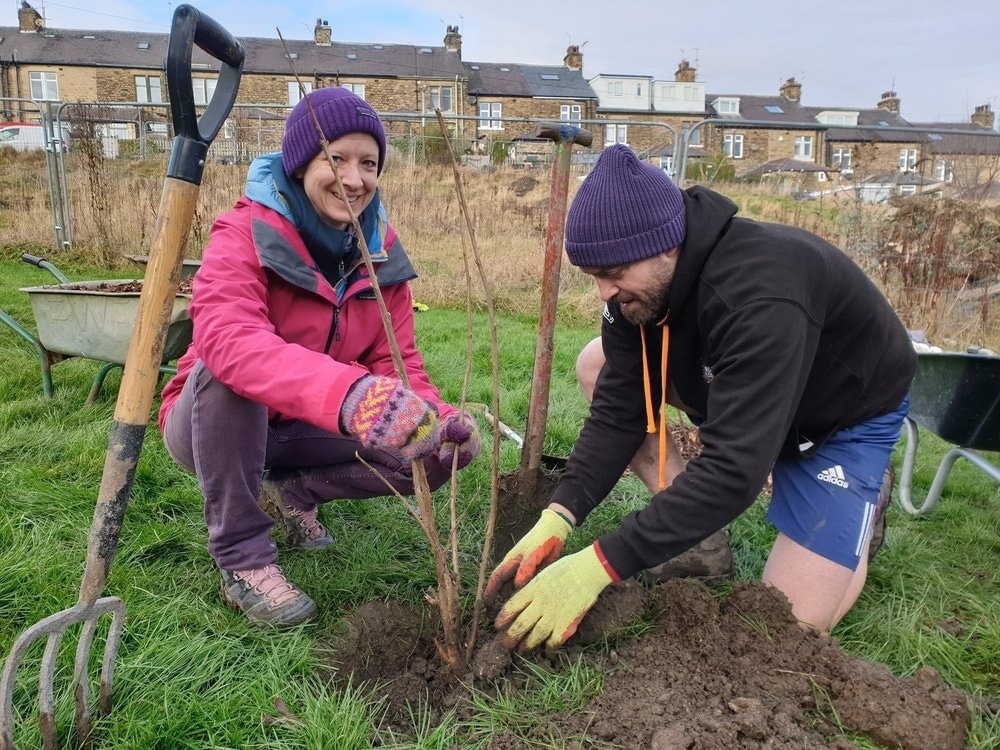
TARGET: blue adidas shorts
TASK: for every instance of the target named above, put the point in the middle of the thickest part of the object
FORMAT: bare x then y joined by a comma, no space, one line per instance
826,502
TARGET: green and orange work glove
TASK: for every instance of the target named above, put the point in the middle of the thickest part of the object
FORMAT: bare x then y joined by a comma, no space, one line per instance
541,546
381,413
549,609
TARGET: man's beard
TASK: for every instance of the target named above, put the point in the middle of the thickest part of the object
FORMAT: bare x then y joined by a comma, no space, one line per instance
649,304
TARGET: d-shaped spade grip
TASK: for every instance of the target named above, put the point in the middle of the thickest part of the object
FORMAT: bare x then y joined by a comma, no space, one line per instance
193,137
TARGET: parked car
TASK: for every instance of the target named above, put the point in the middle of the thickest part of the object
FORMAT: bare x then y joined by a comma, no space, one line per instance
29,136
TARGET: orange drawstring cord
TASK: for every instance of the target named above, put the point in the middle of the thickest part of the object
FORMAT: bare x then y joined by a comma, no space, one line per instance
647,388
663,408
651,426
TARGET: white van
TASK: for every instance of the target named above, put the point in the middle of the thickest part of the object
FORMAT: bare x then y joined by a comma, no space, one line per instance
25,136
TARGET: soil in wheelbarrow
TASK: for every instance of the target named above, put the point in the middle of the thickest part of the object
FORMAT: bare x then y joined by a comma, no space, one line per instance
708,671
121,287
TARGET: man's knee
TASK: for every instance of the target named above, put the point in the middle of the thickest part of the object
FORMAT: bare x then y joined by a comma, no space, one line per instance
588,366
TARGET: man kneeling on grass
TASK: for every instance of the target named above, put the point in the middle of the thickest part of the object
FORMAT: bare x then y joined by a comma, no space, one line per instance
777,345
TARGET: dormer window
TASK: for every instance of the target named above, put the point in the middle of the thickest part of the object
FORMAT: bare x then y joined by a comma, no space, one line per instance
727,106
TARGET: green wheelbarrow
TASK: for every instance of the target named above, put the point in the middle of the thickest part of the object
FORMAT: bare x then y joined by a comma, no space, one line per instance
93,320
955,396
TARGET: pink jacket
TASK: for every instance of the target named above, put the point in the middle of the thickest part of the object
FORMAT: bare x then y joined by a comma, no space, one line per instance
267,322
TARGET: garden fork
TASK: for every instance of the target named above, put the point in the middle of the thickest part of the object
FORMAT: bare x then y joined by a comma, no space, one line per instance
139,379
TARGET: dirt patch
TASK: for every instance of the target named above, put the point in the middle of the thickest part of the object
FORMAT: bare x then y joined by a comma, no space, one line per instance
708,672
119,287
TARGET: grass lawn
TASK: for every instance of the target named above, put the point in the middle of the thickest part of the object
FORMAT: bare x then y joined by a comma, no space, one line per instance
193,674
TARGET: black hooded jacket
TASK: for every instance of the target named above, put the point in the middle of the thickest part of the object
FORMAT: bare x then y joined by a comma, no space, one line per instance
777,340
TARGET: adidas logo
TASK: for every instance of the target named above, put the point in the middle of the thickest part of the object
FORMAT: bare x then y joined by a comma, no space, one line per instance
833,475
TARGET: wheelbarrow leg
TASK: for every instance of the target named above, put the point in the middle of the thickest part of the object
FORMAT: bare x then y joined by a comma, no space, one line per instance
95,389
45,357
940,478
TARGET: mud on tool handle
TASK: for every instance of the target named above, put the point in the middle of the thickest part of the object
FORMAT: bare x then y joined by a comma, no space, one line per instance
193,137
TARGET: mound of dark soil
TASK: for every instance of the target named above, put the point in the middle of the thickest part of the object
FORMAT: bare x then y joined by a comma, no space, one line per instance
708,673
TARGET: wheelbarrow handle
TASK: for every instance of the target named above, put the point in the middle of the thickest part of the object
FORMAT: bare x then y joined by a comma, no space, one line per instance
193,136
42,263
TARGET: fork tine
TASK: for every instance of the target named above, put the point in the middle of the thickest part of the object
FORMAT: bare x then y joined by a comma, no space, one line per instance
46,701
111,651
81,683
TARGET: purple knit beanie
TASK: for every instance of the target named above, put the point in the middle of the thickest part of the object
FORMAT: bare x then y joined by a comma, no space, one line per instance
339,111
624,211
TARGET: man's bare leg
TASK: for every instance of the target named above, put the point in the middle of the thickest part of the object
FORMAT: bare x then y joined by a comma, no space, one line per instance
821,591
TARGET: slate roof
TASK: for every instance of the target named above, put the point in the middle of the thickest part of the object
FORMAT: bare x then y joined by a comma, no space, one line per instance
534,81
976,141
144,50
876,120
776,110
787,165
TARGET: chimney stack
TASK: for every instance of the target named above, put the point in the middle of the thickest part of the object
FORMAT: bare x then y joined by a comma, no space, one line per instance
889,102
983,116
574,57
685,73
453,41
29,20
323,33
791,90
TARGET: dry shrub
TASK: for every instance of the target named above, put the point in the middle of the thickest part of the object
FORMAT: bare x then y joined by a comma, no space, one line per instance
935,260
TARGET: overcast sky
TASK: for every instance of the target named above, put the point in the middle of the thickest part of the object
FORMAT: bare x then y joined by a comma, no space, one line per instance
941,58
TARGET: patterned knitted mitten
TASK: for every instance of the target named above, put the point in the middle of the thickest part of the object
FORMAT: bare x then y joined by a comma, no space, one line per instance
381,413
459,432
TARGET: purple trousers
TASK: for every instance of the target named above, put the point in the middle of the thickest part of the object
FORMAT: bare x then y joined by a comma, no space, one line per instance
229,444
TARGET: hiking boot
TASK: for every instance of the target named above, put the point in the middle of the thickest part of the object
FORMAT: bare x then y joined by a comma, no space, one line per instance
881,506
302,527
266,597
710,561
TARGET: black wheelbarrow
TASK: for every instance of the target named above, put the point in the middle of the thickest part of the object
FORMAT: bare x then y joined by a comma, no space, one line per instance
957,397
94,320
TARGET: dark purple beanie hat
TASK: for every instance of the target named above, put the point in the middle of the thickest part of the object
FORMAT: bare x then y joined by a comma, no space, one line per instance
625,210
339,111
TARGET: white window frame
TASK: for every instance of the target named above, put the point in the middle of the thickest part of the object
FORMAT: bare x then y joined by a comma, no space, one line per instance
439,97
841,157
907,189
615,133
907,160
732,145
295,93
616,88
944,170
44,85
204,90
570,112
148,90
727,106
489,115
358,89
803,148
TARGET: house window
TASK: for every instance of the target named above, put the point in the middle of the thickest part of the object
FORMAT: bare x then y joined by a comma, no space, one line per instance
803,147
907,189
615,88
147,90
694,136
44,86
667,165
907,159
615,134
841,157
821,177
440,98
732,146
944,171
727,106
359,89
489,114
638,89
203,89
569,112
295,93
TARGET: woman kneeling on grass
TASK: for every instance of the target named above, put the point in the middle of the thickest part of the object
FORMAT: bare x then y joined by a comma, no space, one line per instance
290,375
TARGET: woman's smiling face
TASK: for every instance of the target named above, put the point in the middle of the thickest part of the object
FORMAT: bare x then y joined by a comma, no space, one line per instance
356,156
